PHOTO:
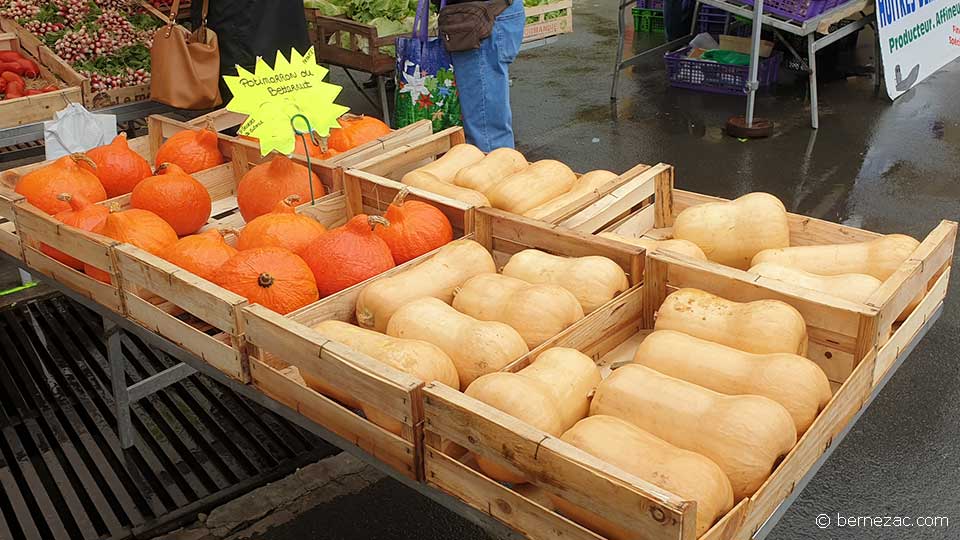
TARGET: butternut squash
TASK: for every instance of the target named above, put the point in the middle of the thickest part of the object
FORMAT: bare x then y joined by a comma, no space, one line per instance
476,347
438,276
732,232
491,170
762,326
590,182
537,312
648,457
744,435
418,358
540,182
446,166
429,182
879,257
853,287
593,279
792,381
551,394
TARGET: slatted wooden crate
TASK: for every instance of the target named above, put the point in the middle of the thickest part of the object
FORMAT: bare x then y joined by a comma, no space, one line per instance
548,20
350,44
835,348
30,109
452,419
388,168
290,340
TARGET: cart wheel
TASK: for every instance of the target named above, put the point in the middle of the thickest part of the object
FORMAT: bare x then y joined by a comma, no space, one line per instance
737,127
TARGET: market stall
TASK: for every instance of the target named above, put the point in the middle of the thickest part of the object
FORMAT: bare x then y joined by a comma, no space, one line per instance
398,248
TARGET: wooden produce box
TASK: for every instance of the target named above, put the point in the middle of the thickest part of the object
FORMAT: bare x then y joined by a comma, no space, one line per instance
548,20
387,168
341,42
30,109
291,341
560,469
838,346
91,99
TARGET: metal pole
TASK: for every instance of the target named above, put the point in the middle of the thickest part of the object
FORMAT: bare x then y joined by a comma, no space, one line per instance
621,37
118,378
753,83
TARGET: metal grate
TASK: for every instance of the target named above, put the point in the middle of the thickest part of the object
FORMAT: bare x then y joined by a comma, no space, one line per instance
62,472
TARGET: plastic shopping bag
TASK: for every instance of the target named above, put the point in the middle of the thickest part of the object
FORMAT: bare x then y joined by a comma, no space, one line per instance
426,88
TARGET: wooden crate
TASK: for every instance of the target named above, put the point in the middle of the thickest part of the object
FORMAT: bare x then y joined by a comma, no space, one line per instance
558,468
285,341
833,347
340,41
30,109
388,168
539,26
91,99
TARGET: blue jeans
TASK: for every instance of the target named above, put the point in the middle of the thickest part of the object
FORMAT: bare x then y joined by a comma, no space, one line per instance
483,81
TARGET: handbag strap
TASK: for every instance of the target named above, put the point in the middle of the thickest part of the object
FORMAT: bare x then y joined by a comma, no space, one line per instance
175,8
421,21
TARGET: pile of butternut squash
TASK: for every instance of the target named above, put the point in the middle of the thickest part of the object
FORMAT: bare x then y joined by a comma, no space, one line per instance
504,179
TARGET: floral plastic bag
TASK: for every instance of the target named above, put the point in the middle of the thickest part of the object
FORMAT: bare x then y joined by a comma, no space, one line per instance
426,88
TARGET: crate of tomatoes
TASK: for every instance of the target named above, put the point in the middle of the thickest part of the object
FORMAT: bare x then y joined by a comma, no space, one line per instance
31,90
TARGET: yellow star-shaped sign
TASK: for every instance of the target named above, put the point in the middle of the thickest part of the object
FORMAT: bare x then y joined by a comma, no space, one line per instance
272,96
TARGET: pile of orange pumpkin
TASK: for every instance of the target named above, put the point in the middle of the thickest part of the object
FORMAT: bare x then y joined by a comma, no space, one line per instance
281,259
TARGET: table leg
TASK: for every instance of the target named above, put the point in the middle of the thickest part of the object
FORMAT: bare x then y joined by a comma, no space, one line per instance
812,62
753,83
877,61
118,378
384,105
621,37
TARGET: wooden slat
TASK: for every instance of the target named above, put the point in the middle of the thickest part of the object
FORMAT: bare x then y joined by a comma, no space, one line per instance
379,443
554,465
512,233
397,162
619,201
819,310
635,225
373,188
34,225
727,527
105,294
199,297
907,332
838,412
517,511
10,241
354,373
586,201
403,136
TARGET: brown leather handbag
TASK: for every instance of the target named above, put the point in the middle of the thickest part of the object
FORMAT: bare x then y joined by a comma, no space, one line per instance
185,66
463,25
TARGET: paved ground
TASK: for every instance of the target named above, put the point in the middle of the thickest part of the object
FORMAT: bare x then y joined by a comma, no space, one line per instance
881,166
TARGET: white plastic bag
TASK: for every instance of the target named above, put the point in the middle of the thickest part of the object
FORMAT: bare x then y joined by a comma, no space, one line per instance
75,129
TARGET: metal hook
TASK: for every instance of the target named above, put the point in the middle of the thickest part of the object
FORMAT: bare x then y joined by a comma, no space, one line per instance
303,137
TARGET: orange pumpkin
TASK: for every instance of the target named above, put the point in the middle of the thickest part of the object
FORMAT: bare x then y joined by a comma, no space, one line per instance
70,174
175,196
140,228
349,254
273,277
83,215
356,130
201,254
315,150
415,228
193,151
283,227
271,182
119,168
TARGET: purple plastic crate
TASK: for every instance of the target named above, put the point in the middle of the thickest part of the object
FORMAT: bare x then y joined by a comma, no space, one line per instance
797,10
650,4
711,20
707,76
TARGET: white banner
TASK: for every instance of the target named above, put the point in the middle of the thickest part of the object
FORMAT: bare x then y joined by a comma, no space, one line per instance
917,37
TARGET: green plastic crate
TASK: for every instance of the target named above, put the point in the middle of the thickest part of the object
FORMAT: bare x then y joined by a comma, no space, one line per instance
648,21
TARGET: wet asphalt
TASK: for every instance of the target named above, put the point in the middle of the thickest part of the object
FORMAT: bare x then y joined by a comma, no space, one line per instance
886,167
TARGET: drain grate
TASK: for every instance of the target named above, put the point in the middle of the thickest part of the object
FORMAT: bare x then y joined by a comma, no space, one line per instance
62,472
